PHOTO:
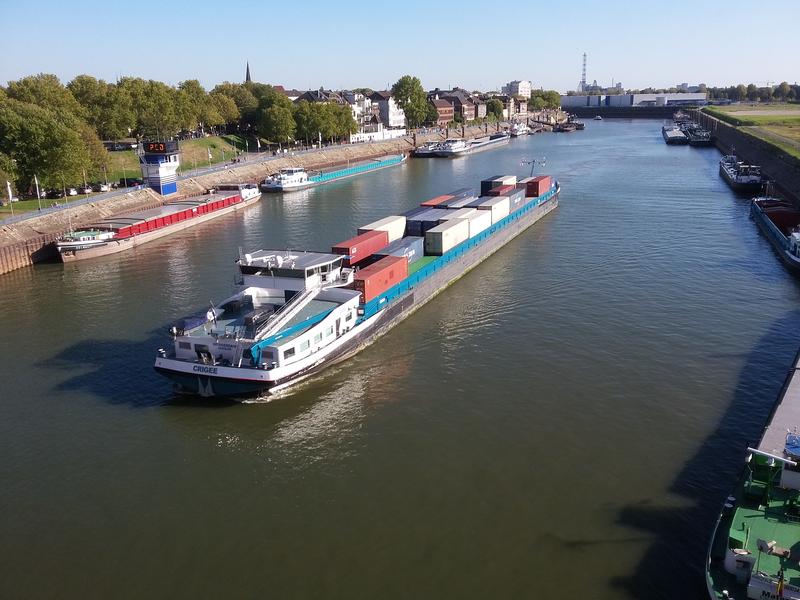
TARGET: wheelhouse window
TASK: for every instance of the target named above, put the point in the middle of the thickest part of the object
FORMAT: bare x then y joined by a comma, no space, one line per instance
288,353
304,345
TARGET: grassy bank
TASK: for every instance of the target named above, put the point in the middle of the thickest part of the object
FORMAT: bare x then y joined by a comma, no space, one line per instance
194,154
777,124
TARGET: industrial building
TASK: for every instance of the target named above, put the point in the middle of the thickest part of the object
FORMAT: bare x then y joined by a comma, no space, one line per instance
663,99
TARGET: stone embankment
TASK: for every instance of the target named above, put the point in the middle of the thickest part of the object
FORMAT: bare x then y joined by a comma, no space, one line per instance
782,168
25,242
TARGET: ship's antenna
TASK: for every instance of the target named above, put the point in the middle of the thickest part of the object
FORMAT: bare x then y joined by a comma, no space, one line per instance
533,162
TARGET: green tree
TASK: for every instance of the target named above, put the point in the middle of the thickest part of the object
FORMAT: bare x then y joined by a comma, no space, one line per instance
47,91
43,143
153,104
495,108
226,107
783,90
274,119
431,115
107,107
245,101
8,172
411,97
750,92
307,121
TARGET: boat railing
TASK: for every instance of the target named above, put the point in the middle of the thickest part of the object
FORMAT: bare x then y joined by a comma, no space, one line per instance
277,319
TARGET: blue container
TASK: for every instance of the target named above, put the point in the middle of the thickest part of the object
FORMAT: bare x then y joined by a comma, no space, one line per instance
413,248
417,225
489,183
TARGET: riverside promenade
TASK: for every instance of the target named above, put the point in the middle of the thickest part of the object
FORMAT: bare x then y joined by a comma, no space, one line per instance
25,240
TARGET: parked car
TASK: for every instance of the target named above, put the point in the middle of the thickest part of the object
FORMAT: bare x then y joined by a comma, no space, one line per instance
54,194
100,187
85,189
71,192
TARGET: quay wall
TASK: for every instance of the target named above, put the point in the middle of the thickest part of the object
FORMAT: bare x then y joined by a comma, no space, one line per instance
25,242
779,166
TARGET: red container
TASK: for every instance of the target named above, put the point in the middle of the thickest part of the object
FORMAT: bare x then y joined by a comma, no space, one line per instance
436,201
501,190
123,232
375,279
538,186
362,246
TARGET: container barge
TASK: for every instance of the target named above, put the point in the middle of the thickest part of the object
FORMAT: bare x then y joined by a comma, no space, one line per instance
755,545
123,232
779,220
296,313
739,176
297,178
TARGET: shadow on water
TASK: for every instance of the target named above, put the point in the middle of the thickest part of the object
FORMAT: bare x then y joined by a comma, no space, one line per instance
673,567
121,372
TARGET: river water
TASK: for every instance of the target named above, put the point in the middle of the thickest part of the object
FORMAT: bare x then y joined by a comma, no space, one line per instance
563,421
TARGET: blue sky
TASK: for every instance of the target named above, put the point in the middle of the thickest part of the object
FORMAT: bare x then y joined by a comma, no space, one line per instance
354,44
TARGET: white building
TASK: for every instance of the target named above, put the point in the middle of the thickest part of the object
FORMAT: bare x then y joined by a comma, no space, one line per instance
521,88
392,116
360,106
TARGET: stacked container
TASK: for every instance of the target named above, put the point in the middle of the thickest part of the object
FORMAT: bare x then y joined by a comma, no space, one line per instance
479,221
501,190
394,226
459,202
375,279
413,248
446,236
498,207
516,199
538,186
419,224
361,247
461,213
436,201
491,182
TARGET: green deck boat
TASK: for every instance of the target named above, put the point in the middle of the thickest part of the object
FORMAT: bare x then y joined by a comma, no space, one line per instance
755,548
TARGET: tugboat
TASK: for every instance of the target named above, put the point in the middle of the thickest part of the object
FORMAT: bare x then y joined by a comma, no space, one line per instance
697,135
741,177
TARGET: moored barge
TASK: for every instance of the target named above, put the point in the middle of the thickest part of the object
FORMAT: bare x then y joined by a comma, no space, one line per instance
740,176
126,231
297,178
779,220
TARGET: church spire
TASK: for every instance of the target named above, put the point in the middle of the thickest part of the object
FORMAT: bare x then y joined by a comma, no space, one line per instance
247,75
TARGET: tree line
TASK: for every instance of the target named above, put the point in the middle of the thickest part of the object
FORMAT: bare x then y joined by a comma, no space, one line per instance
783,92
54,131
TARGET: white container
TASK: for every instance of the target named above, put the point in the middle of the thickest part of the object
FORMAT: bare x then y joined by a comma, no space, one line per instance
498,205
446,236
508,180
480,221
395,227
461,213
